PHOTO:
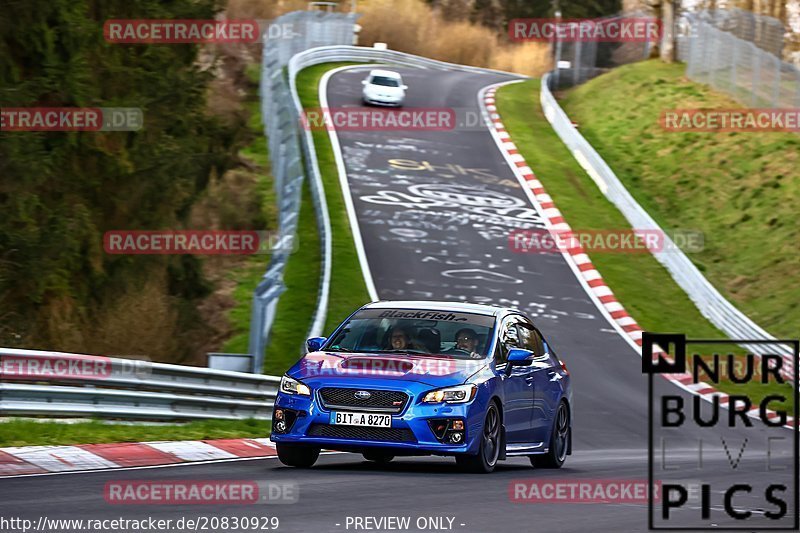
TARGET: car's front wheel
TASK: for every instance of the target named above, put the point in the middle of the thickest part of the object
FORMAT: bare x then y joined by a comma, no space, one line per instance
559,441
297,455
489,449
378,456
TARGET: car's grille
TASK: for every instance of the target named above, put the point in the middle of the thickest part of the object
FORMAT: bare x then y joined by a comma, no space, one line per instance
362,433
385,401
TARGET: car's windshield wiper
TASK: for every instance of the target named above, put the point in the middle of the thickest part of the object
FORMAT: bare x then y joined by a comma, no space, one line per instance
401,352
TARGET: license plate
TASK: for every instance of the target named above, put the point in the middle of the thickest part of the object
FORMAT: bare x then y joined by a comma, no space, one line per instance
361,419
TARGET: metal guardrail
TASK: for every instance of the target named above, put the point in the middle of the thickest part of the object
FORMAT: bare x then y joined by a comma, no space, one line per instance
59,384
708,300
338,53
306,29
282,110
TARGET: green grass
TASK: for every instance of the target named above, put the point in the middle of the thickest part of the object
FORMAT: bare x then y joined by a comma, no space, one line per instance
740,189
25,432
348,290
297,304
643,286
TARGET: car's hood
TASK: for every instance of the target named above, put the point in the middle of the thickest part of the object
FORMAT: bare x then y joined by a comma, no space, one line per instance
383,89
438,371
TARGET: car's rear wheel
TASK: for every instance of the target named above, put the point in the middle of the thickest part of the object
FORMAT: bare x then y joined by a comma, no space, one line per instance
559,441
297,455
489,449
378,456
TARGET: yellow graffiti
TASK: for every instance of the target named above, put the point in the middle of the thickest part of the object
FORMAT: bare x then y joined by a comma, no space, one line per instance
452,170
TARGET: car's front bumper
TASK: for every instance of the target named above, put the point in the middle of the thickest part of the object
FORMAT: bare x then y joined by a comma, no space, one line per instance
413,422
390,101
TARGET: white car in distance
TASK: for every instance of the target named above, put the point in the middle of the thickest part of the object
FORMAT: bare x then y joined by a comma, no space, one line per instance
383,87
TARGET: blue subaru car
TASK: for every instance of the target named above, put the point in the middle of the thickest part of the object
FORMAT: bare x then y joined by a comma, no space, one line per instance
401,378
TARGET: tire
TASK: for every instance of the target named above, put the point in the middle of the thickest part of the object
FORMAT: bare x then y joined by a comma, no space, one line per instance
559,441
377,456
297,455
489,449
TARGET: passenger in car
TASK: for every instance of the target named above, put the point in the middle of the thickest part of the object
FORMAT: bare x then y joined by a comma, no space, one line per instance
399,339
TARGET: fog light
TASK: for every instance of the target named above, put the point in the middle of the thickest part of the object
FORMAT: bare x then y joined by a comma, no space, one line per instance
456,437
280,426
458,425
278,414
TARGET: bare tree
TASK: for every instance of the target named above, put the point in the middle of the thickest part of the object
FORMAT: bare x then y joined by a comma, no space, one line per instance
667,48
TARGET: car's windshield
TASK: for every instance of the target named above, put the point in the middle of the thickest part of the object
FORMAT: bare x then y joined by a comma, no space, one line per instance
415,331
385,82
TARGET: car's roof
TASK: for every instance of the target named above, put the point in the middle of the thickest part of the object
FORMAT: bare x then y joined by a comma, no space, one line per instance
384,73
463,307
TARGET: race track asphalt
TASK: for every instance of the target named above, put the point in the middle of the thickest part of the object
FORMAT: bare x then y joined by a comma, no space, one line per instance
435,209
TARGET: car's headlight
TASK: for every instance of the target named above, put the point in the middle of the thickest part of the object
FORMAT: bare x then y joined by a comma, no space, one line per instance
459,394
292,386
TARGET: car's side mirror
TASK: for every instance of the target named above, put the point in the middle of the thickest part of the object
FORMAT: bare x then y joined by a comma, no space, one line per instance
520,357
315,343
404,87
363,82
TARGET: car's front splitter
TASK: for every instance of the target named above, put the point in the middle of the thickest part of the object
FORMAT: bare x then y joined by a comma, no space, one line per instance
415,418
354,445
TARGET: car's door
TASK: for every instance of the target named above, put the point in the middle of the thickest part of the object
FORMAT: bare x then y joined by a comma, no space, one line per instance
547,386
517,383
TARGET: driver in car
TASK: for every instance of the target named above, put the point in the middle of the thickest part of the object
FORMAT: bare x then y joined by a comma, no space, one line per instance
466,341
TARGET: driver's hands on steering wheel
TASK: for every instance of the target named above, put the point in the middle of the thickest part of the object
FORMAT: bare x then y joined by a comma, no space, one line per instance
472,355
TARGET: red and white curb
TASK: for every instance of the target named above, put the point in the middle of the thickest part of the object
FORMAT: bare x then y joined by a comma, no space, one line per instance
588,274
31,460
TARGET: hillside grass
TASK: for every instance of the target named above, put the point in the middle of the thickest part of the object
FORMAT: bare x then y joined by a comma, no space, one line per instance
739,189
25,432
644,287
348,290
